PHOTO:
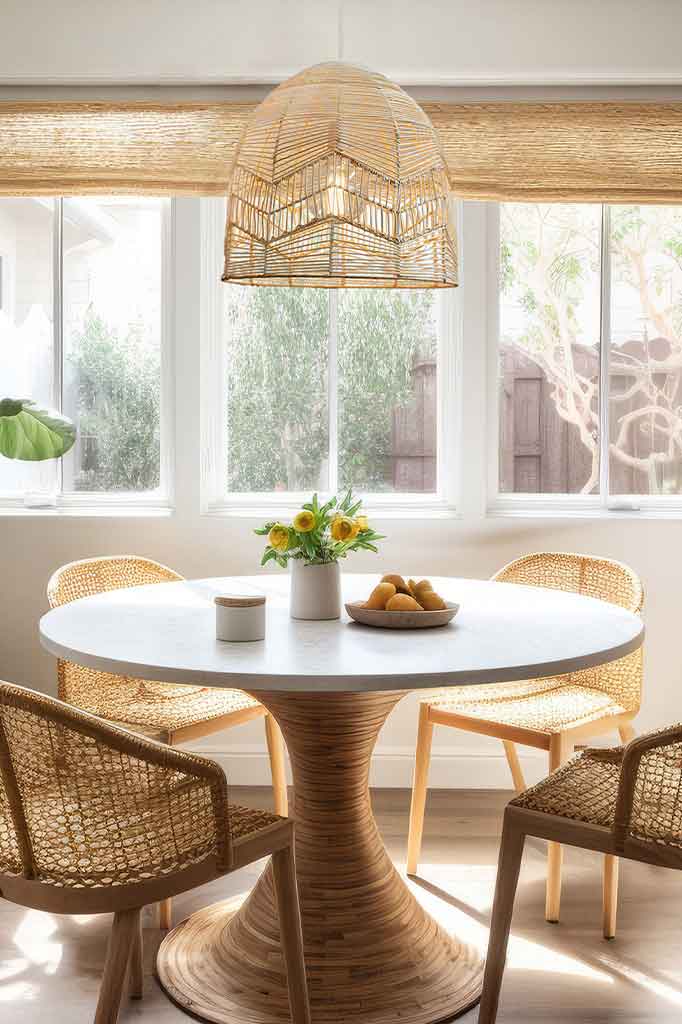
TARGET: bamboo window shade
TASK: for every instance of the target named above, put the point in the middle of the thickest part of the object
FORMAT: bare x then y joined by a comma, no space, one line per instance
625,152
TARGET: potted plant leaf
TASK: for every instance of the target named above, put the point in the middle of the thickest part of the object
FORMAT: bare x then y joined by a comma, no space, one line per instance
31,433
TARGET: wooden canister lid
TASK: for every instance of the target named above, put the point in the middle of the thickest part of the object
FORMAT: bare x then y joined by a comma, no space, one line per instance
236,601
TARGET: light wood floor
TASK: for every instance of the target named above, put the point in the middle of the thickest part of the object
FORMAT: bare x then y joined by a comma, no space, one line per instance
50,967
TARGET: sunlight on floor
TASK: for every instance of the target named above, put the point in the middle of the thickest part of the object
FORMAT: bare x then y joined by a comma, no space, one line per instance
10,968
639,978
18,992
472,887
33,939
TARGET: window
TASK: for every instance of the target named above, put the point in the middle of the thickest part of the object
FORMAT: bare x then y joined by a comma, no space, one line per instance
81,329
317,389
589,352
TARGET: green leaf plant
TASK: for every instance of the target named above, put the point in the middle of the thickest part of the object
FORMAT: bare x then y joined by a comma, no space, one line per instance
32,434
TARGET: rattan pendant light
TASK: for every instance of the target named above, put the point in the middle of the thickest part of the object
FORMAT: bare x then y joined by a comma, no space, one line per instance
339,182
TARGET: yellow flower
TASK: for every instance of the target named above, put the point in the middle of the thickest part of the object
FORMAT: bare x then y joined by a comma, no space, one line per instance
344,529
278,538
304,522
362,523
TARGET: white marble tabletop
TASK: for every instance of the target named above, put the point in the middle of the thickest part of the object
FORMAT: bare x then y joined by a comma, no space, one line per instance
503,632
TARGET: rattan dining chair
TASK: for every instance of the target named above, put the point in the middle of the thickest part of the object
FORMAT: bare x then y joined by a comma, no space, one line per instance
170,712
623,802
550,714
95,819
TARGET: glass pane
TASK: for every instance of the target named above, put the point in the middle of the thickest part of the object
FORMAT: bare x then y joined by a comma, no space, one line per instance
277,409
548,371
112,342
26,336
387,390
645,394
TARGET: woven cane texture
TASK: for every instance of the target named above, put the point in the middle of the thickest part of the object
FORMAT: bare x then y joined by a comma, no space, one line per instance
584,789
244,821
97,806
158,707
555,704
657,803
10,854
84,804
587,787
339,181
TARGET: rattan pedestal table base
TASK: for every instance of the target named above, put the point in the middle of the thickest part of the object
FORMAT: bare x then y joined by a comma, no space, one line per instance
373,954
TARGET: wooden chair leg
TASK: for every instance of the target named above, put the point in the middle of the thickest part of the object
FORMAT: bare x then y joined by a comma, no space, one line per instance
421,776
558,754
121,941
626,733
273,736
610,896
288,909
511,851
136,968
514,766
166,915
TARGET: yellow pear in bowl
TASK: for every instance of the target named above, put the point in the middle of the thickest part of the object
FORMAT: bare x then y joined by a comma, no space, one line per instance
382,593
403,603
431,601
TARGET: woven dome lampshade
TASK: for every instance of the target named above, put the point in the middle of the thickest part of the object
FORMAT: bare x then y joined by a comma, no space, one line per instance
339,182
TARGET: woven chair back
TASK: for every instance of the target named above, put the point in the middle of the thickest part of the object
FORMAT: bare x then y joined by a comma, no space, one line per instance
84,804
600,578
96,575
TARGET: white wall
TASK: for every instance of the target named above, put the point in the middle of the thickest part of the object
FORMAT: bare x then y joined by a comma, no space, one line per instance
510,42
479,41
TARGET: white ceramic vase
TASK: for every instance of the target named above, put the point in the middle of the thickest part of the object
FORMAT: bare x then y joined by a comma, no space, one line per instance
315,590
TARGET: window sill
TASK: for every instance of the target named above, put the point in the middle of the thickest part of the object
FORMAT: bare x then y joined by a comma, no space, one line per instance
565,508
263,509
18,511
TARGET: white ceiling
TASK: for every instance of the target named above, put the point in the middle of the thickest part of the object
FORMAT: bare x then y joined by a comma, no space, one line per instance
448,42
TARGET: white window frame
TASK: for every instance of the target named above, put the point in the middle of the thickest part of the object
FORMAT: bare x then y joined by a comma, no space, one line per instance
604,504
157,502
215,498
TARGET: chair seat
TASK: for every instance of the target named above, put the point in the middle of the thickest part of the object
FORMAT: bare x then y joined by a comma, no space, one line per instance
246,820
584,789
540,705
156,707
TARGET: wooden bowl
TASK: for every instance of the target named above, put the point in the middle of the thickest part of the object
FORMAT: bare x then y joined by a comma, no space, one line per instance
401,620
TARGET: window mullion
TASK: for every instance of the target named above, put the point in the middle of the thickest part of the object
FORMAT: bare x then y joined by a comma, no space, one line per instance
58,320
604,355
332,390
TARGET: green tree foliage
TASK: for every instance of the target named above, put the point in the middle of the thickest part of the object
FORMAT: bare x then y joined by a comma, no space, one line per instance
381,336
118,396
277,417
277,383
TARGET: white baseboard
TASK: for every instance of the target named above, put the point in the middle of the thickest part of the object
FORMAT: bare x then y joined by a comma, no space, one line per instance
392,767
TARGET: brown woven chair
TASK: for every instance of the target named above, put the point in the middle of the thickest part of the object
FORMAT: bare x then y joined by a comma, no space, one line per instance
95,819
169,712
550,714
623,802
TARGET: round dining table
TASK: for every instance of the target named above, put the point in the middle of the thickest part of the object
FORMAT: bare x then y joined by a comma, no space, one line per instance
373,953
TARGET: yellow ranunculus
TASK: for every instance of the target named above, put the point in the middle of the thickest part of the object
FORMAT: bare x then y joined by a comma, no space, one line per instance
343,529
362,523
278,538
304,522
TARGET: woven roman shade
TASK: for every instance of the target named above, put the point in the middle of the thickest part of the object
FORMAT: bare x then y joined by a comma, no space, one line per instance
545,152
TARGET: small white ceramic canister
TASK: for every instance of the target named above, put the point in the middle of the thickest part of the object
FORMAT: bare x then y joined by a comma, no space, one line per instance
239,619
